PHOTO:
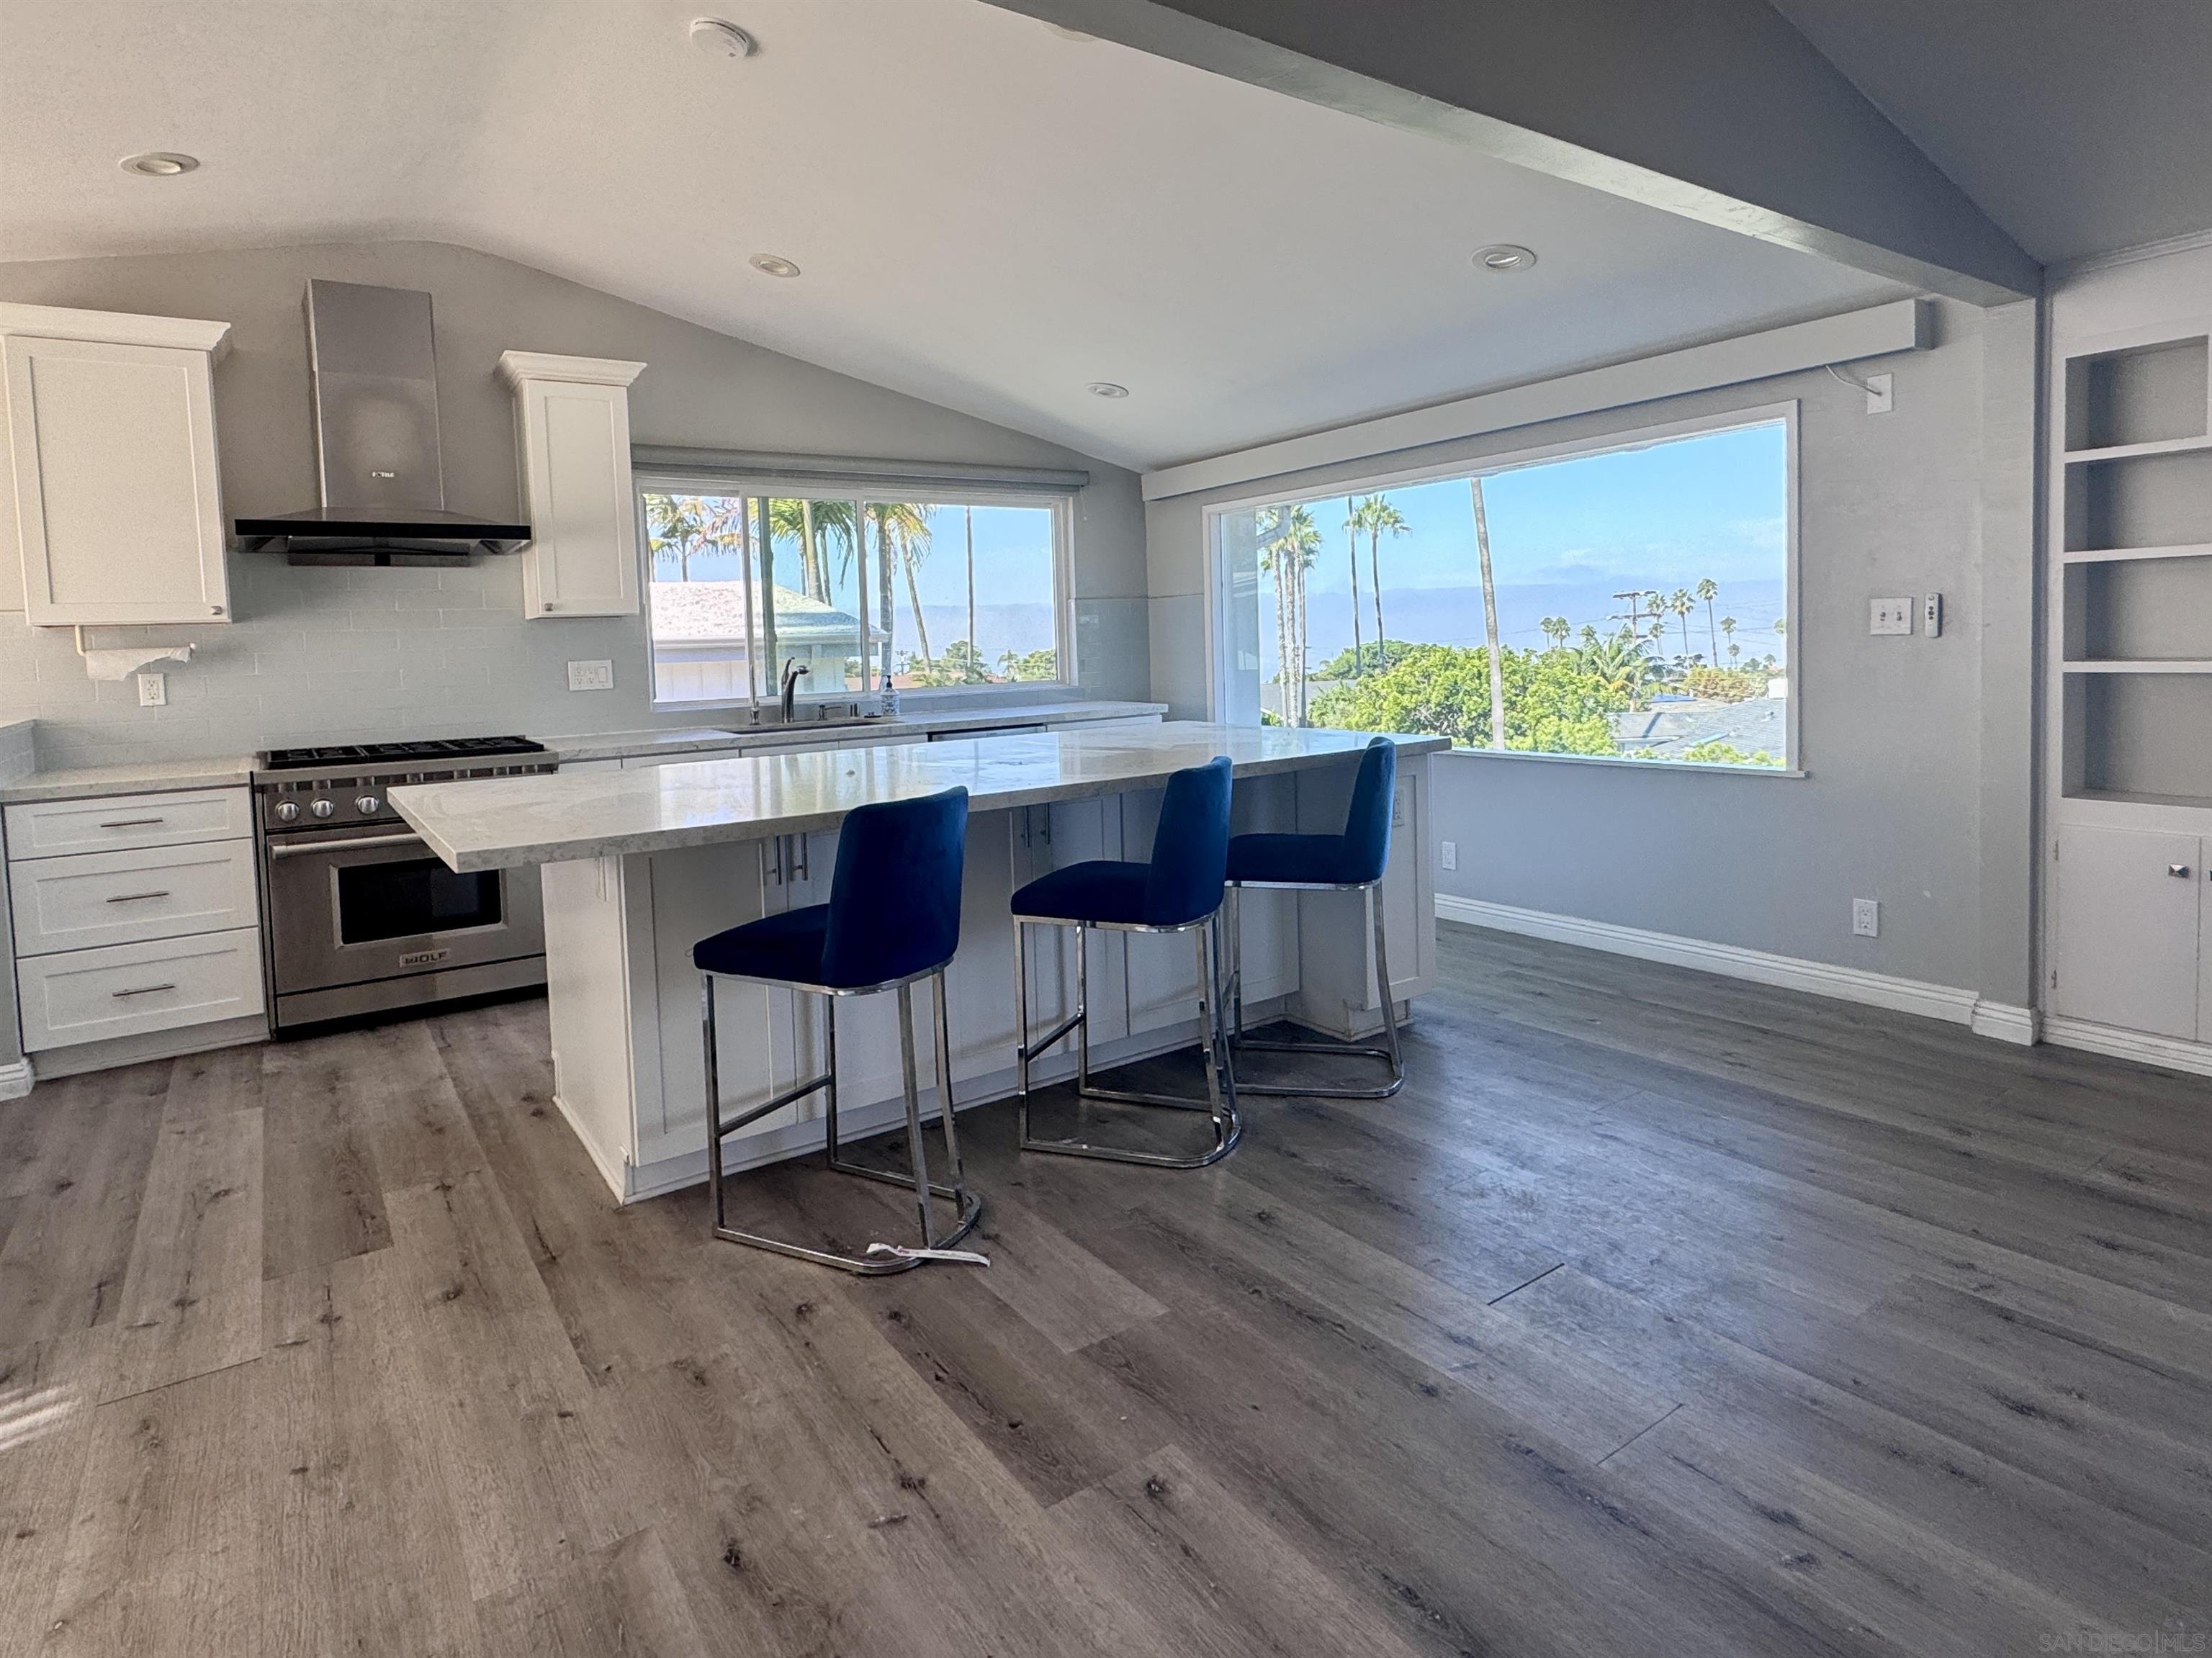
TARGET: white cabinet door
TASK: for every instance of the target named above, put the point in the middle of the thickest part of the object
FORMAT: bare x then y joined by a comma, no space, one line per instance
2127,929
128,897
52,829
572,435
117,496
127,990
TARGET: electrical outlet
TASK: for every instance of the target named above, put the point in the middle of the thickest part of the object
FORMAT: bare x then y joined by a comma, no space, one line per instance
1449,857
590,675
153,690
1879,393
1931,615
1890,615
1866,918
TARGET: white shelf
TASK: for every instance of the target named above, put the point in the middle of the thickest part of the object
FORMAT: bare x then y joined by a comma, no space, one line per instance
2123,666
2122,555
2135,450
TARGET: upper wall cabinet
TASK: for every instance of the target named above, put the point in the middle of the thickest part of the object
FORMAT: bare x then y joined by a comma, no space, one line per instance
114,495
572,437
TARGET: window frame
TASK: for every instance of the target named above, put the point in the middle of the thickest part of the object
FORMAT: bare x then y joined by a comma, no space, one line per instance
1785,413
662,477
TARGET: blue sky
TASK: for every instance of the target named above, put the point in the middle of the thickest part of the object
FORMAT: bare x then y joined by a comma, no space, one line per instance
1709,505
1564,536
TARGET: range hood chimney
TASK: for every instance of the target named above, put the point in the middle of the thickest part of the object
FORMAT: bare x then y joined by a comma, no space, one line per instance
374,370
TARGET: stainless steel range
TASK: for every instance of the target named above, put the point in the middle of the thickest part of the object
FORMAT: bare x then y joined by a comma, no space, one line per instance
362,917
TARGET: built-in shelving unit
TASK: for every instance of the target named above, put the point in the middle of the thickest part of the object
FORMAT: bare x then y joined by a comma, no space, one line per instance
2132,571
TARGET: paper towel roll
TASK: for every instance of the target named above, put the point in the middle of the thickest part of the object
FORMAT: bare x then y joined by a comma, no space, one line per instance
122,663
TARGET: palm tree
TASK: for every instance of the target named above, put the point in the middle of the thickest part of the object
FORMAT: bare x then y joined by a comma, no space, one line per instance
975,668
901,536
1682,604
1377,518
1292,540
1556,629
1351,547
1489,616
1708,590
1734,650
1622,660
816,525
688,526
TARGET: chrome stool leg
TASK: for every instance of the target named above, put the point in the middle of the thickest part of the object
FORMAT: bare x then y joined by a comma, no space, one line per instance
968,1208
1389,1052
1220,1102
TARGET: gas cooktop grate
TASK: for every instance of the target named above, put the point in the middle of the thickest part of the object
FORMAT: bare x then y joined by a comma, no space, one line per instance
430,750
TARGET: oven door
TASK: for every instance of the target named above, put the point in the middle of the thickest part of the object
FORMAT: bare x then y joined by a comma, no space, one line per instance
349,909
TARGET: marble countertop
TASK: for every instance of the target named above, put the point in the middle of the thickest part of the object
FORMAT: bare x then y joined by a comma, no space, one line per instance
145,777
499,822
619,745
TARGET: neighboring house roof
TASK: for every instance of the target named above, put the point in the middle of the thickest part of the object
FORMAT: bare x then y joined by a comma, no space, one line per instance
1668,728
702,612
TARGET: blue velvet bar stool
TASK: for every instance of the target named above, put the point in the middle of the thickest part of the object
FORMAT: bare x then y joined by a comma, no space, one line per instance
1351,862
1178,890
893,919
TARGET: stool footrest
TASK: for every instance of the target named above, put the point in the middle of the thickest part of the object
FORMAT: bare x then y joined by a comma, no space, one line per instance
725,1126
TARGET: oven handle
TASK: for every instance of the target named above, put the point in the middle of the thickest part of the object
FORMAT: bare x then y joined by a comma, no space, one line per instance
352,842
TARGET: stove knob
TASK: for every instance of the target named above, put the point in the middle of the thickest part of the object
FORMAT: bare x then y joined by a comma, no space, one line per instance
367,806
322,809
287,811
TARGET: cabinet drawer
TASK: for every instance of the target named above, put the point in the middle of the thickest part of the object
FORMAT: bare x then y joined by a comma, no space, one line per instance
53,828
95,898
124,990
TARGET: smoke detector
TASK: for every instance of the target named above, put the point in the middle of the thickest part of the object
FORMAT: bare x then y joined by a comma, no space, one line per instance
718,39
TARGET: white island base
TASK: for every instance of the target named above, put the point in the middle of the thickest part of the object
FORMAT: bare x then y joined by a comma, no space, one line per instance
620,926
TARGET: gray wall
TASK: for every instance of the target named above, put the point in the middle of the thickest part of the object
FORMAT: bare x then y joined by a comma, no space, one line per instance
1919,750
332,655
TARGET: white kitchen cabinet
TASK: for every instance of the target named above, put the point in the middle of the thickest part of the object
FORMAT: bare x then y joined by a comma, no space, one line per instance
117,500
99,898
572,443
134,990
2131,928
111,823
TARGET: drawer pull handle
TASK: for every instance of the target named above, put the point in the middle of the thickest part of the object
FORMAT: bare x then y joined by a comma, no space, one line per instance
133,822
135,897
143,990
2181,869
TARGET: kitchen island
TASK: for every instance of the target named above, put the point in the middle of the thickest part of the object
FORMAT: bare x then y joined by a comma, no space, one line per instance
638,865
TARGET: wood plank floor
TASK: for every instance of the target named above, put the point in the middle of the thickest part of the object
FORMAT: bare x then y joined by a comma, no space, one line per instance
1659,1313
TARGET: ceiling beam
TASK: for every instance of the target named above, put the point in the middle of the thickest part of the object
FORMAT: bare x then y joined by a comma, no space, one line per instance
1714,110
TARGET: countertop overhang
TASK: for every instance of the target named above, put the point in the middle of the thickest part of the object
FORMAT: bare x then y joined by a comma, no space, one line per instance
505,822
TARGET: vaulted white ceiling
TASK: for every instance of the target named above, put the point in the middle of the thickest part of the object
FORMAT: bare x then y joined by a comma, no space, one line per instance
987,213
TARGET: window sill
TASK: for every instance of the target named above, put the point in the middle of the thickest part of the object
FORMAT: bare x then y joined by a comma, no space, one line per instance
1620,762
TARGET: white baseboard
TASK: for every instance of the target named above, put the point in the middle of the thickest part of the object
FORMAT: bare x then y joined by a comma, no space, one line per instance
2004,1022
1847,984
15,1079
2170,1052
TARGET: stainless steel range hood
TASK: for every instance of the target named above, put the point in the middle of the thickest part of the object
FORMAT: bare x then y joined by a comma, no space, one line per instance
374,368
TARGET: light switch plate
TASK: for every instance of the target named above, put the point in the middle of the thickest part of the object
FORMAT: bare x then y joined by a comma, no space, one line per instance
1890,616
1931,615
590,675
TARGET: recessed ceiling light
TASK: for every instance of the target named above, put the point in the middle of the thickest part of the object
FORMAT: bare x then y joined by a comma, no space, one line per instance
774,265
718,39
160,164
1106,389
1503,256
